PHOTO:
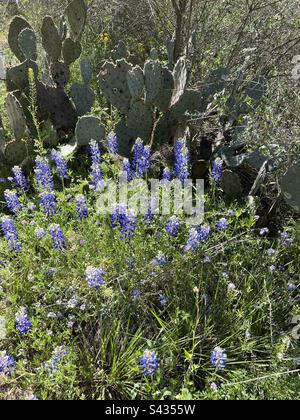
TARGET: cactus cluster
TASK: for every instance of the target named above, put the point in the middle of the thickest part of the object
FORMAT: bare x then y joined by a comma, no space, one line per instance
55,109
154,101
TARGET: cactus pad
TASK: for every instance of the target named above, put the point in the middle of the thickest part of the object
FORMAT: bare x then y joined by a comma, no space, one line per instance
15,152
51,40
83,98
76,13
140,121
87,129
17,77
86,68
28,44
113,82
71,51
16,27
290,187
16,116
135,81
153,80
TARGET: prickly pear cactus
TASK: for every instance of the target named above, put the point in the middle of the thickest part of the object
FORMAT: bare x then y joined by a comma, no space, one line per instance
76,13
153,80
290,187
113,82
16,116
83,96
16,27
136,82
51,40
87,129
28,44
71,51
15,152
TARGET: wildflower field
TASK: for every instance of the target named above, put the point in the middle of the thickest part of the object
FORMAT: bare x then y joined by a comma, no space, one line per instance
150,304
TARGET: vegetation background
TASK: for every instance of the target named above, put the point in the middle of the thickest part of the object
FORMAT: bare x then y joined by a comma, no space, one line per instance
250,320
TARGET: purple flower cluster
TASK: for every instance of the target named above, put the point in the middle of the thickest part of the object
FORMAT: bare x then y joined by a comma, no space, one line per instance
60,162
121,217
217,170
7,364
22,322
166,175
197,236
219,358
19,179
182,160
94,277
126,170
48,203
160,260
12,201
44,178
141,159
81,207
113,145
40,233
149,363
96,171
10,232
222,224
173,226
58,356
96,158
57,237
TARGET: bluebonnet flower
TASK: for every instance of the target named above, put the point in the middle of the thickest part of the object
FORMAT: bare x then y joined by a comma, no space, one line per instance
95,153
163,300
286,239
161,259
12,201
22,322
271,252
197,236
40,233
140,159
126,173
217,170
292,287
113,145
222,224
166,175
81,207
182,160
94,277
19,179
48,202
43,174
7,364
60,162
50,271
97,177
219,358
58,356
57,237
10,232
264,231
149,363
136,294
173,226
121,217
